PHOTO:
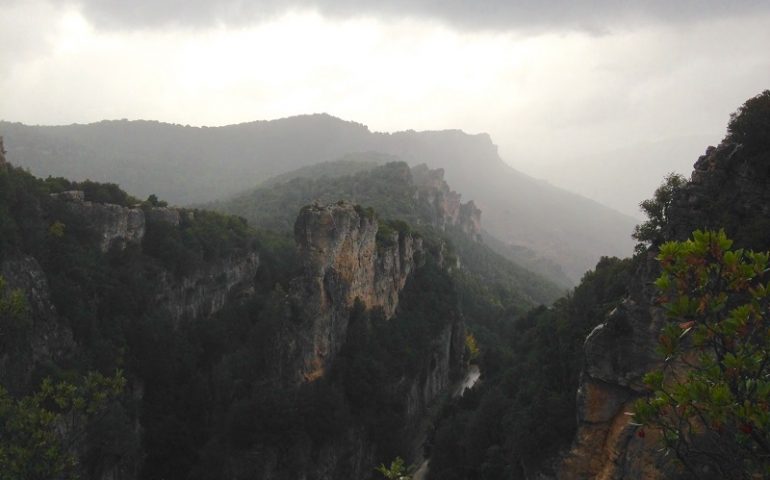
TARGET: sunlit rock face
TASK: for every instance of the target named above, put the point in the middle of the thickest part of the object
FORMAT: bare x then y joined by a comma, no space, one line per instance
730,189
343,260
617,355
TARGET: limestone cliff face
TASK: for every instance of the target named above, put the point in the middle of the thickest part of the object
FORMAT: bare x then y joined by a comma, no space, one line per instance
200,293
447,208
41,337
617,355
343,260
207,290
115,226
728,189
446,361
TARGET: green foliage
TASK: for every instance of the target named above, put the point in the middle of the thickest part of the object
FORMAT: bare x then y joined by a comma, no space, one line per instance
153,201
14,321
656,210
201,236
750,125
471,347
387,189
489,284
523,412
711,397
39,432
391,192
396,471
105,193
93,191
210,387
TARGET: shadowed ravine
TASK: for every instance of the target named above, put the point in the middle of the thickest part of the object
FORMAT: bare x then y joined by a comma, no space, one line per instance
469,380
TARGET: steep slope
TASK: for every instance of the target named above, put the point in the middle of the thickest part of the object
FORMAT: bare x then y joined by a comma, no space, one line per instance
419,196
243,353
187,164
729,188
97,289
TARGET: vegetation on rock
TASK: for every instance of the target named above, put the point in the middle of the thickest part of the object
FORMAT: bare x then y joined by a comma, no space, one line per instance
656,210
523,412
711,398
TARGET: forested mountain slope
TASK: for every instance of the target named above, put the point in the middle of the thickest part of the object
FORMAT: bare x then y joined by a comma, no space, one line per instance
600,341
418,196
729,189
185,344
193,165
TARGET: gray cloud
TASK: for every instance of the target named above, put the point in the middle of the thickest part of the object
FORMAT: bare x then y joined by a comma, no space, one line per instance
586,15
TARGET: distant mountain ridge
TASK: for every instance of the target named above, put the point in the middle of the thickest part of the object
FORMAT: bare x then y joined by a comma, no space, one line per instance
418,196
198,164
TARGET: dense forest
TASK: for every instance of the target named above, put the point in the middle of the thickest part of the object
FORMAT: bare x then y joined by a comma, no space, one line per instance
192,396
396,192
142,341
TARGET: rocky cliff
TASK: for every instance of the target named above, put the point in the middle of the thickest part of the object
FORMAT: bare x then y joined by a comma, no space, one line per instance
344,260
115,226
46,337
350,263
206,290
40,338
729,188
447,209
200,292
617,355
438,374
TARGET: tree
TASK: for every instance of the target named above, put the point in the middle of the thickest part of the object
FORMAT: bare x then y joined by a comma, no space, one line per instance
750,125
153,201
656,209
710,400
39,432
397,470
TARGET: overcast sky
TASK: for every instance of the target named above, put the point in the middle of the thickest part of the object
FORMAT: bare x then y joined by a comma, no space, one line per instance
563,87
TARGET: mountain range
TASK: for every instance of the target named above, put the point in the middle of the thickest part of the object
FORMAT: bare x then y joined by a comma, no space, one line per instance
188,165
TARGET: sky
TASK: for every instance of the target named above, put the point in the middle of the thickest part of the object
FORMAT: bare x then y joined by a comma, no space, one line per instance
602,97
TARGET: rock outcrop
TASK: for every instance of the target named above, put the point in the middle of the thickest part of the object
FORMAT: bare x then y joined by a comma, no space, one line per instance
114,225
617,355
346,259
207,290
41,338
436,377
343,260
445,202
729,189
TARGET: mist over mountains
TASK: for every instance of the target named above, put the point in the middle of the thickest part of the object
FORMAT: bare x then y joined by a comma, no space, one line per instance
198,164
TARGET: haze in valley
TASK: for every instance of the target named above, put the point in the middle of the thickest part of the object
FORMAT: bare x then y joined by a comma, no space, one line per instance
578,93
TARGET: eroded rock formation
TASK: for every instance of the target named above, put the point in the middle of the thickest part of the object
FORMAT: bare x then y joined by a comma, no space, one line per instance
730,189
207,290
445,202
115,226
40,337
343,260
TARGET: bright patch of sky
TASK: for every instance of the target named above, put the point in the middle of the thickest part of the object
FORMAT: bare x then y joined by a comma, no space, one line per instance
550,97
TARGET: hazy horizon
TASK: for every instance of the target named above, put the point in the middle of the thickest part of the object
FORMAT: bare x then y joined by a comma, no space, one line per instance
559,87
